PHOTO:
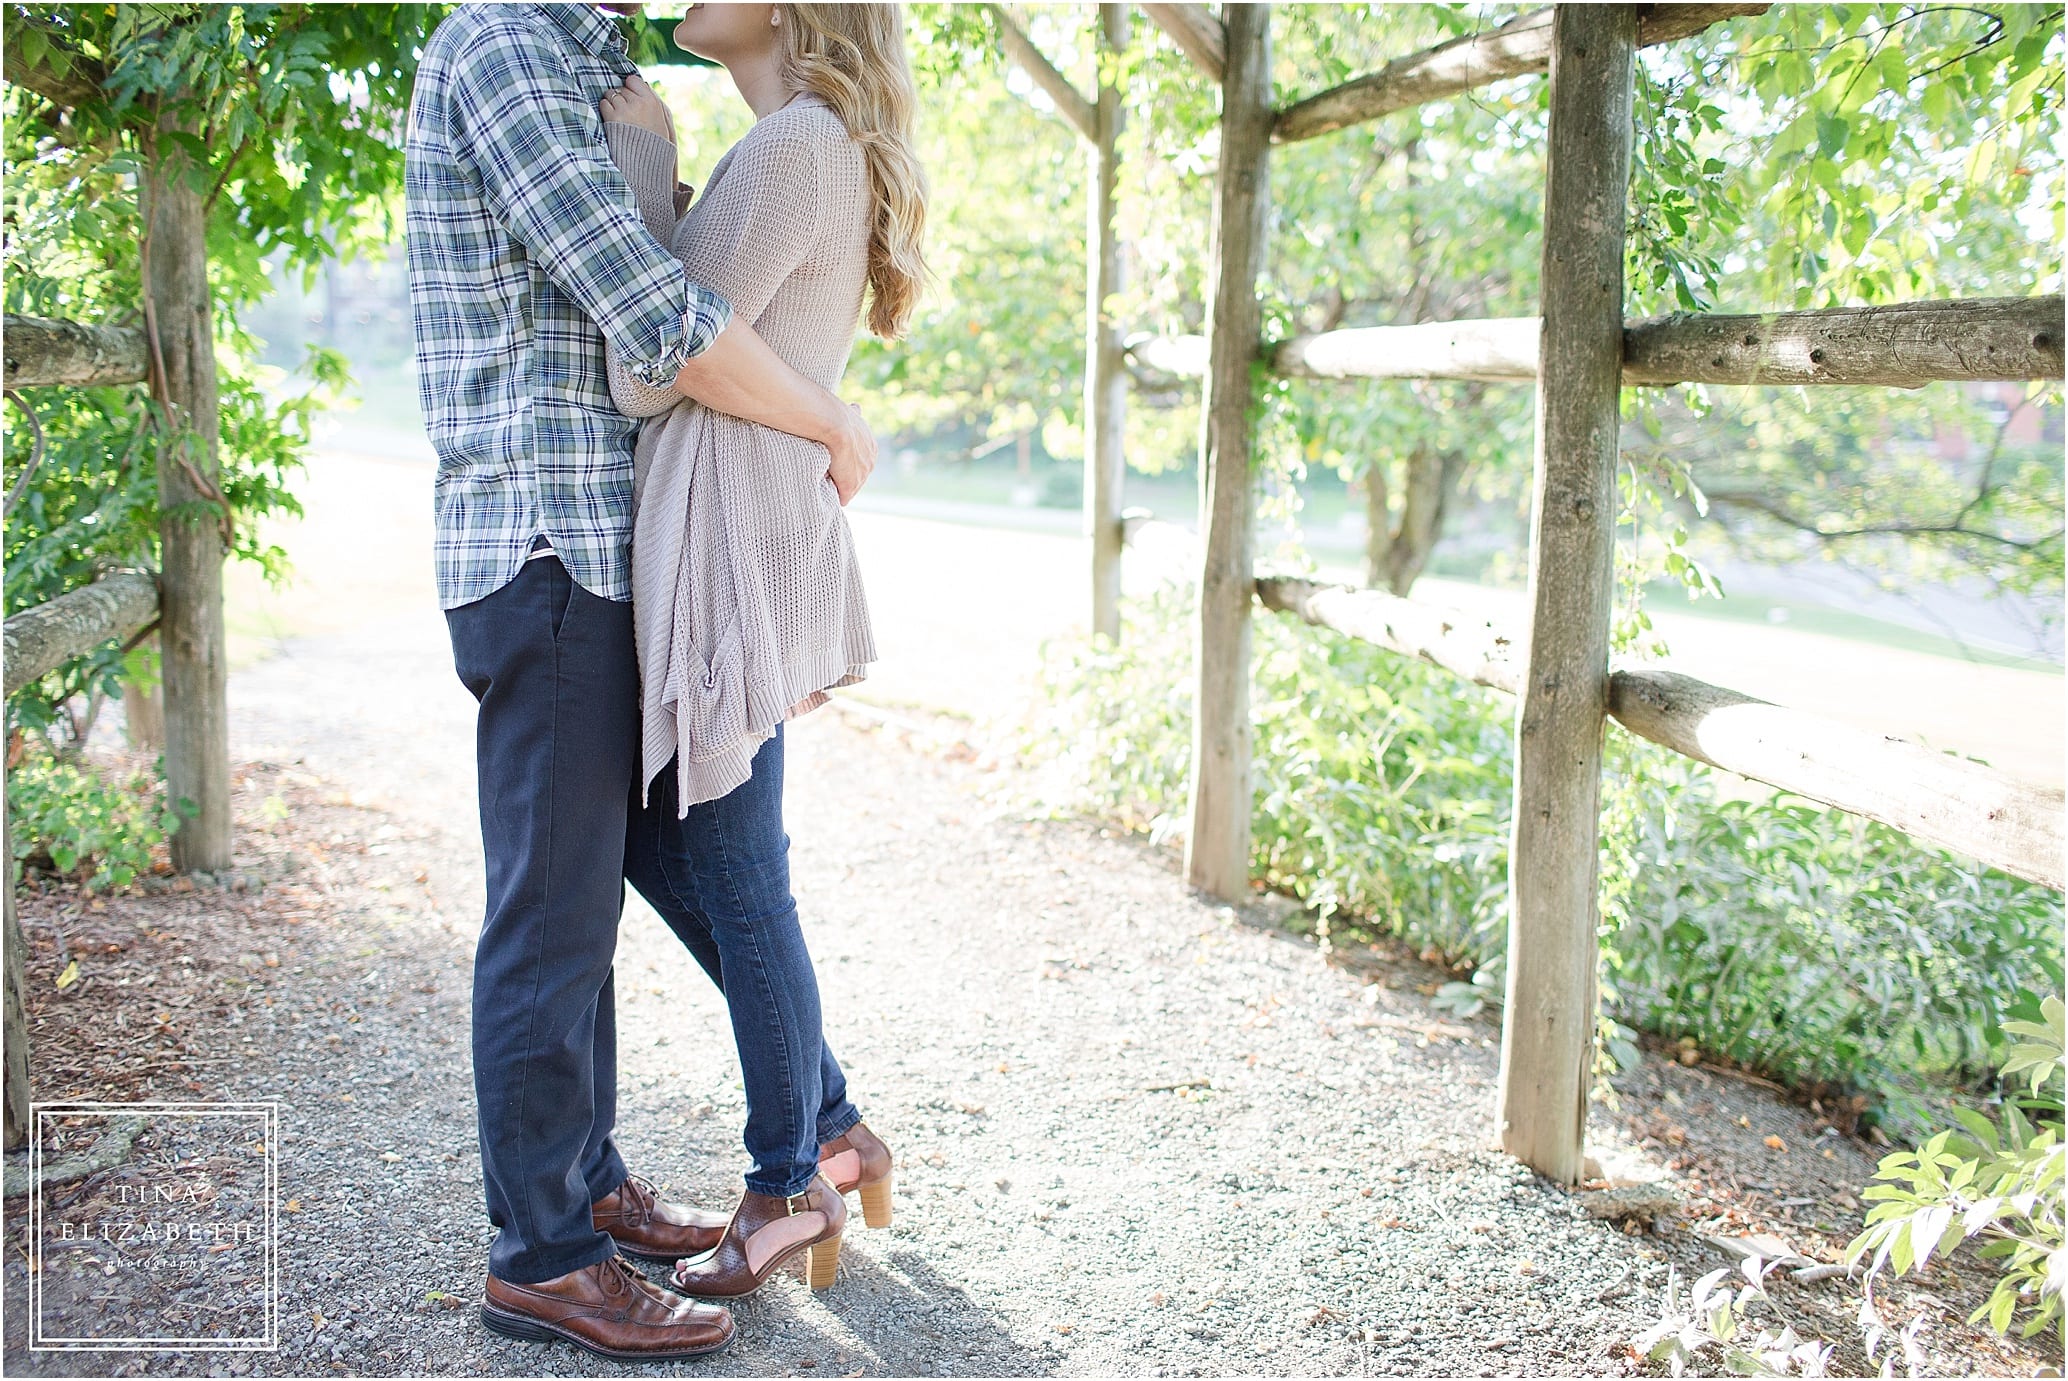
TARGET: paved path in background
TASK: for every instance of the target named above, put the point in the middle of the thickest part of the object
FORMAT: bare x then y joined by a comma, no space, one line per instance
961,614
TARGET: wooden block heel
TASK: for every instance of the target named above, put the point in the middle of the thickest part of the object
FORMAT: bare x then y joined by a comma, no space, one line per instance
824,1264
876,1203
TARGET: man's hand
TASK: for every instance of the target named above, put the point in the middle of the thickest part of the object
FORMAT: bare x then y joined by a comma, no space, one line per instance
853,452
636,103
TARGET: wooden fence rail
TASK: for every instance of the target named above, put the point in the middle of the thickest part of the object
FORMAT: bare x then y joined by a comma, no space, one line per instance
1518,48
41,352
1902,345
40,640
1960,805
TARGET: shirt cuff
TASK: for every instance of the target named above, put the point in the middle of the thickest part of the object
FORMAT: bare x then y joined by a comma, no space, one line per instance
708,314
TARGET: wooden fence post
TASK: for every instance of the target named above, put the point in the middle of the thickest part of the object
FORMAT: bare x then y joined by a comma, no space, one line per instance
1105,383
1547,1029
14,963
191,547
1217,847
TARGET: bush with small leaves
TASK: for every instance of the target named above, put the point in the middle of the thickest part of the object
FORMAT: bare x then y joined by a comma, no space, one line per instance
2001,1185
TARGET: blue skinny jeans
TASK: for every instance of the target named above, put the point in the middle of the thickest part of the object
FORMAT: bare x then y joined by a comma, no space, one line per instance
720,878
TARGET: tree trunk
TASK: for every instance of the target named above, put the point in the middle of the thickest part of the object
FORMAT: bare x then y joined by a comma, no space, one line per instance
1105,381
143,704
1378,524
1217,847
1547,1036
197,749
1429,476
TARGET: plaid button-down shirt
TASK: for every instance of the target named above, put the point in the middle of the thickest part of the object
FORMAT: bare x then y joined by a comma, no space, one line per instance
525,251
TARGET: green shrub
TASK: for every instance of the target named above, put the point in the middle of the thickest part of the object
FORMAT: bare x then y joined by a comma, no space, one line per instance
1790,938
85,826
2002,1185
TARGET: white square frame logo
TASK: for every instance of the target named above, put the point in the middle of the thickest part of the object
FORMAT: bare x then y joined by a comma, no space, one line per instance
267,1115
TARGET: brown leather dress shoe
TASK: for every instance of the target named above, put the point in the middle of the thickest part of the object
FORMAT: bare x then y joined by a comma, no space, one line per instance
649,1228
764,1233
858,1160
608,1309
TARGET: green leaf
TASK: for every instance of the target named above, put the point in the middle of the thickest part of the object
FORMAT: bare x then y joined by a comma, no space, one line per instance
1831,135
2001,1302
1983,1129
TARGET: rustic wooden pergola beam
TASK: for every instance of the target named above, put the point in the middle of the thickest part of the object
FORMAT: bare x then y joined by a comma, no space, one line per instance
1518,48
1219,801
1964,806
1069,101
1902,345
1199,35
1498,349
41,351
40,640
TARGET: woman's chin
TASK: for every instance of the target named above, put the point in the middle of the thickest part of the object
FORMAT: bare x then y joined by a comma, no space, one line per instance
686,39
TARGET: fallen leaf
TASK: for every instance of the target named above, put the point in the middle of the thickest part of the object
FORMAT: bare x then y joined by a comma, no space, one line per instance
69,976
1774,1143
1765,1246
294,1206
390,1157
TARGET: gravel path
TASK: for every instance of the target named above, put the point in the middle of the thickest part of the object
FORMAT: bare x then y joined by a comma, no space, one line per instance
1135,1134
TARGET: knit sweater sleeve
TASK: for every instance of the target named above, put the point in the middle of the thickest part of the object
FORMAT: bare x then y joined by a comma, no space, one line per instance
648,163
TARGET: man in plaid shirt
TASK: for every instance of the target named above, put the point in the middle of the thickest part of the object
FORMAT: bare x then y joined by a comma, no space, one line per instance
525,253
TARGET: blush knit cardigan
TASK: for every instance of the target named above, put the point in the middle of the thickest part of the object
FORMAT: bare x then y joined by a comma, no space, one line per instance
746,599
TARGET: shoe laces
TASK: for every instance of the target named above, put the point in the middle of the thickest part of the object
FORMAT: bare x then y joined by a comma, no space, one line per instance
613,1276
637,1195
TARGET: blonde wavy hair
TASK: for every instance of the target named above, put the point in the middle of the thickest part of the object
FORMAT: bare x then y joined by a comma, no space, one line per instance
852,57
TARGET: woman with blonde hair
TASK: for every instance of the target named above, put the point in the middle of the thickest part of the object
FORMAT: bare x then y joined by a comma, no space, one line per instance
746,598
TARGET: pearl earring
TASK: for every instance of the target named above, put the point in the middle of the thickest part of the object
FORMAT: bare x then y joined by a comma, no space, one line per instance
775,21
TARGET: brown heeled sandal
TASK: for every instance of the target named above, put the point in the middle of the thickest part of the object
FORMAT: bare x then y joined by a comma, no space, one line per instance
764,1233
858,1161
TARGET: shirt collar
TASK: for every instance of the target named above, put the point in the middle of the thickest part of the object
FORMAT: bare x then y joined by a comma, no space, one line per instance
594,27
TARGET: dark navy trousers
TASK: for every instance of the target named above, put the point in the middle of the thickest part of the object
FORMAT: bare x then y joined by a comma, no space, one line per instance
556,742
555,672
